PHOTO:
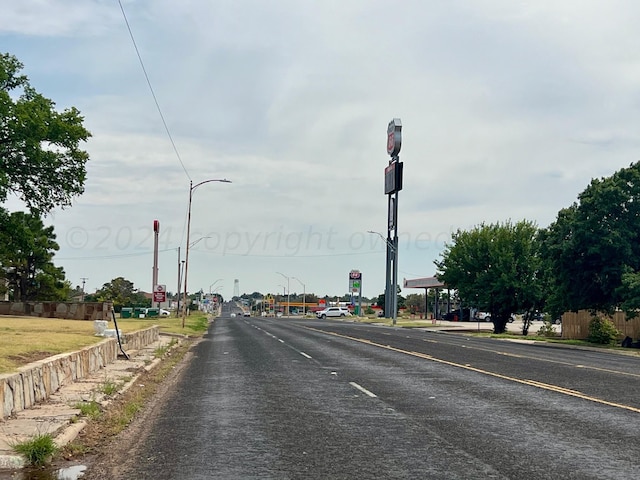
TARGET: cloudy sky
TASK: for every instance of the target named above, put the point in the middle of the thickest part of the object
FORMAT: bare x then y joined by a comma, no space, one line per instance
509,109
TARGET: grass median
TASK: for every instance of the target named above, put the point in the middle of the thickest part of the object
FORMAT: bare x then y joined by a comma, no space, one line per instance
28,339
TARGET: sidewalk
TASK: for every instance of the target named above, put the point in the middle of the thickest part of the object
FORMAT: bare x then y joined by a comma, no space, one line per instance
57,416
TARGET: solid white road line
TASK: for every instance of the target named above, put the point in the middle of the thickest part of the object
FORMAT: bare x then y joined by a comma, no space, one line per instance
305,355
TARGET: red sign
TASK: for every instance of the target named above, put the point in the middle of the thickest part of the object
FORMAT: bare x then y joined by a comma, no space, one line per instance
355,275
391,142
160,293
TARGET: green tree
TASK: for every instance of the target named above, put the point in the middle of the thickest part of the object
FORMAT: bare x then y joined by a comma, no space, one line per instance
121,293
593,247
380,301
495,268
415,303
40,158
27,248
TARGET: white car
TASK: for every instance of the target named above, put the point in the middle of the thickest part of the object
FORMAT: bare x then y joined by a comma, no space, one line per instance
486,317
333,312
164,313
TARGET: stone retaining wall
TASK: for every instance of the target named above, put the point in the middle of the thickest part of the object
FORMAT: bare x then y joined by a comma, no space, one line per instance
37,381
70,310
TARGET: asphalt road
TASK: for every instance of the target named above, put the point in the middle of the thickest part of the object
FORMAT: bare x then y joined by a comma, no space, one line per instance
288,399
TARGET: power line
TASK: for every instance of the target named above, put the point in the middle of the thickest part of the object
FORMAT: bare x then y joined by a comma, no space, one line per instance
153,94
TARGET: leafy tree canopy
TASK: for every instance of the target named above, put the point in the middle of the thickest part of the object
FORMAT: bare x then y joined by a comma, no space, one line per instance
40,158
27,248
593,247
121,293
495,268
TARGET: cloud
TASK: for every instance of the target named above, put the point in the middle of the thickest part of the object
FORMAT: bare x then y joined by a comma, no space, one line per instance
509,109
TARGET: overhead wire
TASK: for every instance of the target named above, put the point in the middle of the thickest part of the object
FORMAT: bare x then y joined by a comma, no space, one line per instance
153,94
155,99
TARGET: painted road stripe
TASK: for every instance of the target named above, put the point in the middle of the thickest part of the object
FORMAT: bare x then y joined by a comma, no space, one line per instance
363,390
543,359
532,383
305,355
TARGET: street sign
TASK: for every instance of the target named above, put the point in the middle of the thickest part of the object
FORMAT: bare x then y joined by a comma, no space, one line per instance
159,293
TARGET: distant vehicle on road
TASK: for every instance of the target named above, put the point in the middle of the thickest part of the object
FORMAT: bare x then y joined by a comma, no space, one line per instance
333,312
164,313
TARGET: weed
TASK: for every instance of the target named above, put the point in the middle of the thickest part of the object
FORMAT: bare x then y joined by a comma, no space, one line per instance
109,387
37,450
89,409
130,410
160,351
75,448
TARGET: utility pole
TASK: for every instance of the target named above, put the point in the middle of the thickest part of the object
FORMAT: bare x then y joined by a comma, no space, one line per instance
179,282
84,281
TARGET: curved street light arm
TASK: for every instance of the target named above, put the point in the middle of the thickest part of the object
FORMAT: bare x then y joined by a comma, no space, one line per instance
192,187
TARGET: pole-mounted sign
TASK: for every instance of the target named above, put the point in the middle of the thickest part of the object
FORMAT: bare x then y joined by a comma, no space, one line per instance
160,293
392,185
355,288
355,281
394,137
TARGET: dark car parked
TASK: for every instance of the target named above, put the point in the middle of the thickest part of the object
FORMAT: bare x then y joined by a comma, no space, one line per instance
454,315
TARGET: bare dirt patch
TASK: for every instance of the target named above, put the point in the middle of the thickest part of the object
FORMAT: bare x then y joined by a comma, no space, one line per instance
29,357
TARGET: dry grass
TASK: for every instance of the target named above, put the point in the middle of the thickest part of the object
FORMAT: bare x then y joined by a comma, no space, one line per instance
27,339
195,324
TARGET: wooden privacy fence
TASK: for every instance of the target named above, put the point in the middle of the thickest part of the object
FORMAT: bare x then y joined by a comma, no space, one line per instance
575,325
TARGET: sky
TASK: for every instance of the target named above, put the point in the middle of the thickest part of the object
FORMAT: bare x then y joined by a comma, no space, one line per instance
509,109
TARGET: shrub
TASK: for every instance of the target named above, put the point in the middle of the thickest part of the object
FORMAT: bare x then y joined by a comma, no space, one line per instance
546,330
602,331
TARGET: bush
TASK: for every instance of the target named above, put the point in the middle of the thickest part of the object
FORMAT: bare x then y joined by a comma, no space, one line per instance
602,331
546,330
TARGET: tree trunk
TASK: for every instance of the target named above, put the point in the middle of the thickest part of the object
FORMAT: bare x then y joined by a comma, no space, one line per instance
499,325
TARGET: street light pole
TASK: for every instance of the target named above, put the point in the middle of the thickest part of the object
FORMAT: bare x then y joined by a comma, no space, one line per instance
288,294
394,287
180,265
192,187
304,294
213,285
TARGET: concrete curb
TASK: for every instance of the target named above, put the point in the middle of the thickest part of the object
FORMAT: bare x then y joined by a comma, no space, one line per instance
57,416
